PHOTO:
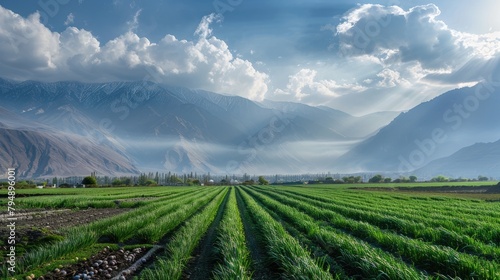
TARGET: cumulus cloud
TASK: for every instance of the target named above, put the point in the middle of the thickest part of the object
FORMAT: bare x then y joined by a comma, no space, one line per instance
397,35
26,44
400,39
304,86
29,50
390,78
397,58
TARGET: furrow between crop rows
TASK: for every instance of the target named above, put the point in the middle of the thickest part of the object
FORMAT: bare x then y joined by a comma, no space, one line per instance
183,243
358,258
434,259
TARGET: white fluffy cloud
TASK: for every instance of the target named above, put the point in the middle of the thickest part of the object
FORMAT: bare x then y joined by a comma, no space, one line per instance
407,56
25,44
304,86
390,78
29,50
393,34
399,39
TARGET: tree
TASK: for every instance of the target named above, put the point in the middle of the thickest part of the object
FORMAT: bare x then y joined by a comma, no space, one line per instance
376,179
176,180
157,178
263,181
89,180
106,180
143,179
440,178
351,179
127,181
482,178
150,182
248,182
413,179
387,180
116,182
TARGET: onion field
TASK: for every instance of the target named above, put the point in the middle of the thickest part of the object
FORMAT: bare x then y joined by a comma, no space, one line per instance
254,232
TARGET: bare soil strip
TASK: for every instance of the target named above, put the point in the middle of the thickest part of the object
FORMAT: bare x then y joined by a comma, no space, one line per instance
37,225
55,219
443,189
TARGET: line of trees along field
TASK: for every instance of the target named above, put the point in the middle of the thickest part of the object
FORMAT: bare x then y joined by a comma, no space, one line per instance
195,179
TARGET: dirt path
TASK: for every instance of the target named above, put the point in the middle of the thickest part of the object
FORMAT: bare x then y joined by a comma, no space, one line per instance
201,266
443,189
260,268
35,227
56,219
453,189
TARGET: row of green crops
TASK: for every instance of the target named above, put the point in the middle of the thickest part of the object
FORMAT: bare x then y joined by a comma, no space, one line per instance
431,258
231,245
482,225
294,260
321,232
183,243
356,256
94,198
408,227
147,225
121,227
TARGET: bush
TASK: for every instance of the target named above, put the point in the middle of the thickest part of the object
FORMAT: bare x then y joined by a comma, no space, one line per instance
89,180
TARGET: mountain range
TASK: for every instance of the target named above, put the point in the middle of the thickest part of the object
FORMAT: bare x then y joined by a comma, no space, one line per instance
72,128
480,158
440,136
120,128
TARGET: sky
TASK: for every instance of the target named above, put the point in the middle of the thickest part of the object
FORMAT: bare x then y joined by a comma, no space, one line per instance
360,57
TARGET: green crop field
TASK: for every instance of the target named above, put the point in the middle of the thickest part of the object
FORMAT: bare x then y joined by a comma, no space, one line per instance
255,232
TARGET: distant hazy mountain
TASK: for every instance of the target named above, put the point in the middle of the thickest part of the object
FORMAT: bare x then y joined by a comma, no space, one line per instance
142,126
343,123
470,162
38,150
432,130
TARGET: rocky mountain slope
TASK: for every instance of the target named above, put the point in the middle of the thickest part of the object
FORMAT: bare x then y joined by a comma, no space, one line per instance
142,126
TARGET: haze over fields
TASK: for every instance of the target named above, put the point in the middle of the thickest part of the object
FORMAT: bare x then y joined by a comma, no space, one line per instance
254,87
